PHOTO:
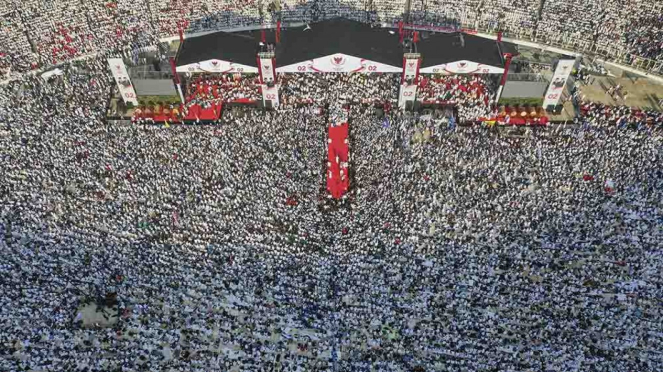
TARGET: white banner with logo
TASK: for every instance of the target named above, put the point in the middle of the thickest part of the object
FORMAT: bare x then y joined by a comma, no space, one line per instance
558,82
217,66
270,94
339,63
119,71
407,93
410,69
267,70
462,67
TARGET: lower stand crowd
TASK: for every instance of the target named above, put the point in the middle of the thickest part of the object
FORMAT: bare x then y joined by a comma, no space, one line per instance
457,248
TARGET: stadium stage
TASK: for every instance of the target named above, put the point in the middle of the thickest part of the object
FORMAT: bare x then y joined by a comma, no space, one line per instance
300,50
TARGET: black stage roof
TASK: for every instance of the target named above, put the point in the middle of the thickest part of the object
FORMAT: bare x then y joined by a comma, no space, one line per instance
340,36
440,48
237,47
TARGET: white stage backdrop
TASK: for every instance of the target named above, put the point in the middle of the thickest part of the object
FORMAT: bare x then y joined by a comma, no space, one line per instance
462,67
217,66
339,63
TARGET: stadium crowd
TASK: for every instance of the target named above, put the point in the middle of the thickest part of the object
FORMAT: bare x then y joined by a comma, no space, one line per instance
39,34
463,248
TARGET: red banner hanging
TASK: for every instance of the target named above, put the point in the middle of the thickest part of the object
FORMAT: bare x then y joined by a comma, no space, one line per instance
173,68
278,32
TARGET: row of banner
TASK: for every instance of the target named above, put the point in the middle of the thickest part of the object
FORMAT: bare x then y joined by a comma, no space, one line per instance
343,63
340,63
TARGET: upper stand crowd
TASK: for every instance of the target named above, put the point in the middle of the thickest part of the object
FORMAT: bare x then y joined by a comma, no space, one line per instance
40,33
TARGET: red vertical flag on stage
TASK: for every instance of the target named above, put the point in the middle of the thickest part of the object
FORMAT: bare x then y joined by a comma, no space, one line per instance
262,35
180,30
401,33
278,32
173,68
415,37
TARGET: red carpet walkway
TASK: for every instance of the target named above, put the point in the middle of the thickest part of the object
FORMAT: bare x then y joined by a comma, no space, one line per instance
338,181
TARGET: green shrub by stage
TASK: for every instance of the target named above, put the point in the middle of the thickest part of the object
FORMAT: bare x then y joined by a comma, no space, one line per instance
145,100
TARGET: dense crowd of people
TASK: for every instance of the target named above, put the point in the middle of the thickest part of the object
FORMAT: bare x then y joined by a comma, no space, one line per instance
37,33
226,88
597,114
457,248
473,95
325,89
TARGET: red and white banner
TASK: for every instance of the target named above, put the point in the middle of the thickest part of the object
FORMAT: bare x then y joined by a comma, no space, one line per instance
217,66
267,70
410,69
339,63
119,71
270,94
558,82
462,67
407,93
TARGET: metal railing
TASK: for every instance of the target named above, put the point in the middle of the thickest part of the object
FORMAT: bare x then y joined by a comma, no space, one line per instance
150,75
528,77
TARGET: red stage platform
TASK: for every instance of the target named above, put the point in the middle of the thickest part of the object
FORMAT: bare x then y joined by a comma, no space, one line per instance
213,112
338,180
